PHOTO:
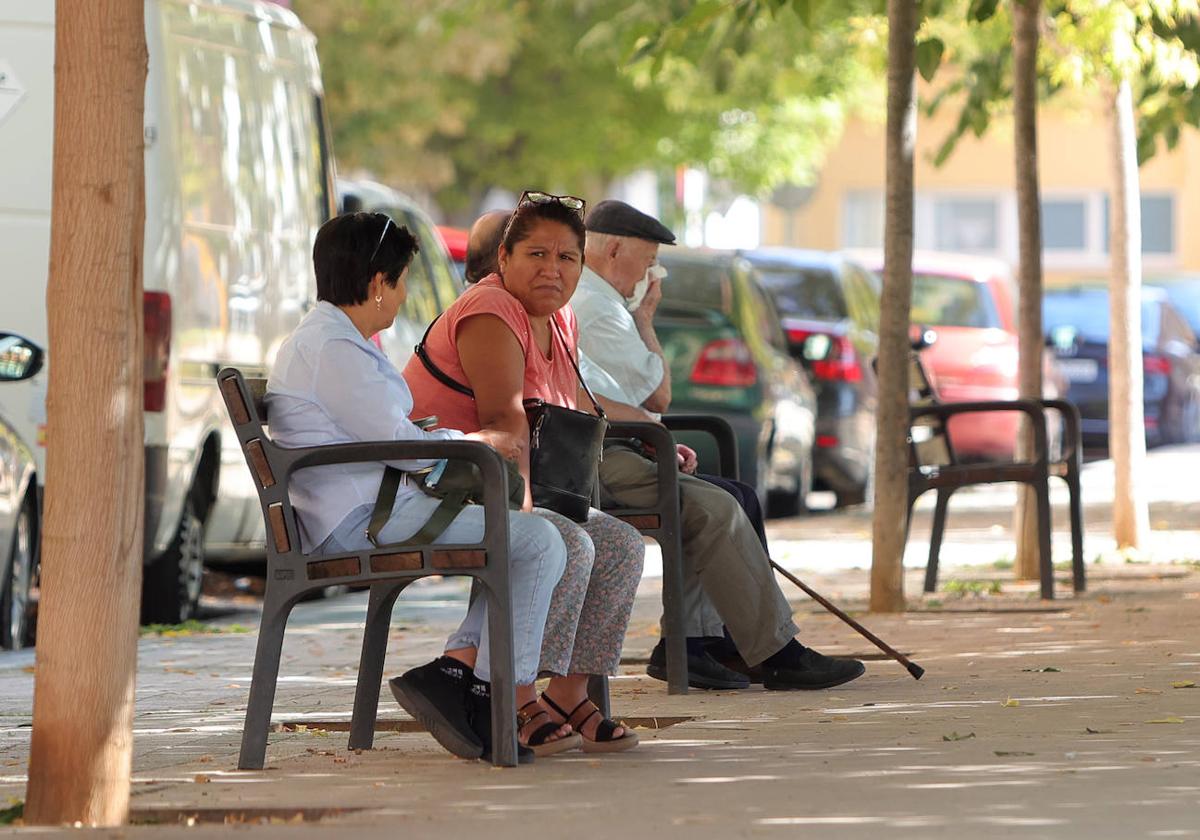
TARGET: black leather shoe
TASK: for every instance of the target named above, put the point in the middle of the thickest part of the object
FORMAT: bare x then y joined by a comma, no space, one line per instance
812,671
437,696
703,670
727,654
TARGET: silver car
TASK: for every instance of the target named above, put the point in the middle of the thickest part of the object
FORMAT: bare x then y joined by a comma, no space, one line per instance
19,505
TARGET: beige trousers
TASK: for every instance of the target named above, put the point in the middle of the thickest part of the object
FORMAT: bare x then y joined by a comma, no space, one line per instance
727,576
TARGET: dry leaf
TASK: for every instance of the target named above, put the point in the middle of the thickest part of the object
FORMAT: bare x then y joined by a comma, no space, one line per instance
1147,691
201,779
1010,703
954,736
1166,720
1011,752
1184,684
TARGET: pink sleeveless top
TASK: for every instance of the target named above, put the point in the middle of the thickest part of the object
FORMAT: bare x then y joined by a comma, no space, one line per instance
552,379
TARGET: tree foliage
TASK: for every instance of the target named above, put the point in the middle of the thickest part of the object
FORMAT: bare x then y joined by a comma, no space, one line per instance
455,96
1154,43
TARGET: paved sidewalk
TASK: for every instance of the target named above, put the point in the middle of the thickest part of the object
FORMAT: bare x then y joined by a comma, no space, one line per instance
1033,720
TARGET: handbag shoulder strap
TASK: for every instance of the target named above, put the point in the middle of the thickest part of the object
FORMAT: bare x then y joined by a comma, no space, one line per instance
571,359
445,513
436,372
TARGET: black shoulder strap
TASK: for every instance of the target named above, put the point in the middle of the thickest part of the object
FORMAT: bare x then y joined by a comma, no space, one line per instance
571,359
435,371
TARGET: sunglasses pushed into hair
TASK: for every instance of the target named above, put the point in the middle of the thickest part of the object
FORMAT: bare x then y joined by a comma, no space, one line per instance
569,201
383,234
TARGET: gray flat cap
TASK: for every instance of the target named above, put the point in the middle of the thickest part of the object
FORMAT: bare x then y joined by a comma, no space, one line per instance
619,219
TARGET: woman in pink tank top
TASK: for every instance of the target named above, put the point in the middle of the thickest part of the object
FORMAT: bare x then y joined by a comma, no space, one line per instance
507,338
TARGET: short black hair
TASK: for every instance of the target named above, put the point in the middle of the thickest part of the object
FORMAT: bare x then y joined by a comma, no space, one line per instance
526,216
351,248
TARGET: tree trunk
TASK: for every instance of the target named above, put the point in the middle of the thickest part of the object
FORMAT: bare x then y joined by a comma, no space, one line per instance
81,752
1126,421
891,423
1026,15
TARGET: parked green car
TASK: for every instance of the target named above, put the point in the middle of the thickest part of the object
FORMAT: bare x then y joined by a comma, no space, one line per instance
728,356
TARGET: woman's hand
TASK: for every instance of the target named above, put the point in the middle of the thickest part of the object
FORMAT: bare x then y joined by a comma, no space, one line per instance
686,456
508,445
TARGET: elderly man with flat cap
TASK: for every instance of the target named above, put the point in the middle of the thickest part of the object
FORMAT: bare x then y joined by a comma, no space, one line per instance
728,578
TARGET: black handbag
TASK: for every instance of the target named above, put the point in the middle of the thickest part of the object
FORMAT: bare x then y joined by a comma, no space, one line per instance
565,444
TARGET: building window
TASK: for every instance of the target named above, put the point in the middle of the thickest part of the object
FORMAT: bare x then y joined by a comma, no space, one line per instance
1158,224
862,219
966,224
1064,225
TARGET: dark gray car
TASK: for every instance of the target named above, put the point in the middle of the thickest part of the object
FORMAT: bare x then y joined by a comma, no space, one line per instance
829,306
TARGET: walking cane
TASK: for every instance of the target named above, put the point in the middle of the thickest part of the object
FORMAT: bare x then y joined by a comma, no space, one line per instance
913,668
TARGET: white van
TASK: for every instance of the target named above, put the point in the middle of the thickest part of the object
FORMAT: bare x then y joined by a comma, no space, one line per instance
238,179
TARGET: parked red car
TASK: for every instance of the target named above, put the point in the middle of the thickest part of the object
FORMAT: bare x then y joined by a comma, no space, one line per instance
456,244
971,304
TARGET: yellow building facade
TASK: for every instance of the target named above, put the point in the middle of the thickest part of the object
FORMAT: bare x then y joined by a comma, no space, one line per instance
969,203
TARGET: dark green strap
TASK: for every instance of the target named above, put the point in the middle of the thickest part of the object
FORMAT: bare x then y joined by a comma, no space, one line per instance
450,507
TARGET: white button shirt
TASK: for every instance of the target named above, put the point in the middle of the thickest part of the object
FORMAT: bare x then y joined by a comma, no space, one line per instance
331,385
609,338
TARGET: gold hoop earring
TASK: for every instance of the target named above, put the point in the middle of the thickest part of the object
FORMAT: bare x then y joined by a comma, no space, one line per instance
379,301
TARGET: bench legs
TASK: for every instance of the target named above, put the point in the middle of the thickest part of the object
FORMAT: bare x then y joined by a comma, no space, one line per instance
935,538
504,697
370,664
262,682
676,631
1045,561
1079,572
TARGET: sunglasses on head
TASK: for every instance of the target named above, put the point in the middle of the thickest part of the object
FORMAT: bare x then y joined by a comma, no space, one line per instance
569,201
387,224
534,198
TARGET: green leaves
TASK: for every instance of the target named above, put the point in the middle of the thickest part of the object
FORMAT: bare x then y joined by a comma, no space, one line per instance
929,56
982,10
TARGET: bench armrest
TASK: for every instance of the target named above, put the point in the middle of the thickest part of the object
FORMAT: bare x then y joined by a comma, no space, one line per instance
657,436
1032,408
718,428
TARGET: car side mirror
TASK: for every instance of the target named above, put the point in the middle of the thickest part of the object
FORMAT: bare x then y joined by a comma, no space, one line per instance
19,358
921,337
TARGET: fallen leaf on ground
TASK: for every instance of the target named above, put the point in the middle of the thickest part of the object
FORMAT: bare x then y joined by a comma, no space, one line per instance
1147,691
954,736
1166,720
1091,731
1049,669
201,779
1011,702
1011,752
1184,684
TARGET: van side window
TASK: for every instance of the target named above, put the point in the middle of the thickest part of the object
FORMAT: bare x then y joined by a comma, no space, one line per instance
421,306
446,284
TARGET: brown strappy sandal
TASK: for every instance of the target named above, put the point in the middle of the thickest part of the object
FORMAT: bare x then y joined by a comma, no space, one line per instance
604,742
541,741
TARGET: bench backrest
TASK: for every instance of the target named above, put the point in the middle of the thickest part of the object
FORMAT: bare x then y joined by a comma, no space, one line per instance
929,440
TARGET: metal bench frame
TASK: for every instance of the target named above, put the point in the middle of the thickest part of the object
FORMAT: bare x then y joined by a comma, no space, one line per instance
661,521
291,574
933,465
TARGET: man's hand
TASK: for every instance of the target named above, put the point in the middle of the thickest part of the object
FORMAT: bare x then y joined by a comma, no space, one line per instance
644,313
686,456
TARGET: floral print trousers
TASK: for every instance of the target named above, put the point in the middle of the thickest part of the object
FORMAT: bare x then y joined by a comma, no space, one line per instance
590,608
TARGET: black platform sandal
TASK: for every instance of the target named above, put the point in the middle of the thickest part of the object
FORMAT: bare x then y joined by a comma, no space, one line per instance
604,742
542,741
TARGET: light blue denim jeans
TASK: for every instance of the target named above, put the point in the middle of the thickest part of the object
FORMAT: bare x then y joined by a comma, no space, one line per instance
537,558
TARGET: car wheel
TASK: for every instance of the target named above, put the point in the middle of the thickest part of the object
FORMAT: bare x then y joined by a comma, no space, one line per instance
18,579
171,584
